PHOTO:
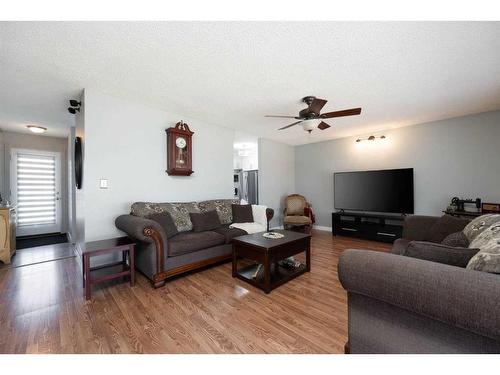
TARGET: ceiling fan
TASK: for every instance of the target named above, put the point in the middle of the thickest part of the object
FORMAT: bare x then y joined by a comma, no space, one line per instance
310,118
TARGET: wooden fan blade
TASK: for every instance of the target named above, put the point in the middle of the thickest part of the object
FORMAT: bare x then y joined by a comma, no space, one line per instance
345,112
316,105
323,125
280,116
295,123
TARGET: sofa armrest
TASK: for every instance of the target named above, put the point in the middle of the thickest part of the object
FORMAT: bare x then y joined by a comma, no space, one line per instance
142,229
456,296
416,227
434,252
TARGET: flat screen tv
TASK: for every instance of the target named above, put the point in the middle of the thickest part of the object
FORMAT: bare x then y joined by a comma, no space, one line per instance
388,191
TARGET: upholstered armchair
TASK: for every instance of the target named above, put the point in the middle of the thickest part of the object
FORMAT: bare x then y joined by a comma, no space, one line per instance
297,213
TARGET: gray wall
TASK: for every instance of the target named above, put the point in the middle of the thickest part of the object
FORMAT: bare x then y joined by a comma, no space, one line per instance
454,157
79,213
276,176
125,142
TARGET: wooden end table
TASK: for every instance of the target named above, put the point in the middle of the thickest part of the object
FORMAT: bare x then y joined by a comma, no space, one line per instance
95,275
268,252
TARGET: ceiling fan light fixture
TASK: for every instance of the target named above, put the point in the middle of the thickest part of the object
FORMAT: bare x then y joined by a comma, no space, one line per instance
310,125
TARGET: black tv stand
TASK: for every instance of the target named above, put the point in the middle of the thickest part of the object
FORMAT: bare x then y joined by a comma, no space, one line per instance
369,226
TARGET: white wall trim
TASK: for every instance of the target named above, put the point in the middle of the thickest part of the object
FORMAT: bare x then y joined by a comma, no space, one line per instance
320,227
279,227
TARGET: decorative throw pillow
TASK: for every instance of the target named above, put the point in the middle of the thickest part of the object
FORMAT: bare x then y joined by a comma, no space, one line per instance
488,257
166,222
479,224
457,239
222,206
178,211
445,225
242,213
204,221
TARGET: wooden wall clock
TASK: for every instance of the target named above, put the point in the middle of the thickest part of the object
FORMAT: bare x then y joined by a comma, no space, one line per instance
179,150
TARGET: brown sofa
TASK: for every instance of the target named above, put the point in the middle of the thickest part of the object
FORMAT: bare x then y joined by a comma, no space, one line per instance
426,302
159,257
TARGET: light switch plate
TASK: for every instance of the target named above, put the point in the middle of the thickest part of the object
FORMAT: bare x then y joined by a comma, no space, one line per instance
103,183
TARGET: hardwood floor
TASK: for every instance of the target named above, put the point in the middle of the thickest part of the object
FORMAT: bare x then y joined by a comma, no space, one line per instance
43,310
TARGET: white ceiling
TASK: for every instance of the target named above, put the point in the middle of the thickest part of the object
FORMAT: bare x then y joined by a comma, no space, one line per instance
232,74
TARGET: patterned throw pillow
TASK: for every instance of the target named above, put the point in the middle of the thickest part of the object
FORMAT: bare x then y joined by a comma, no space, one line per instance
479,224
488,257
178,211
222,206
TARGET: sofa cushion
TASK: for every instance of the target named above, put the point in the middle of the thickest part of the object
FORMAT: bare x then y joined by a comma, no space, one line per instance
222,206
187,242
166,222
178,211
203,221
230,233
479,224
457,239
433,252
399,246
488,257
444,226
297,220
242,213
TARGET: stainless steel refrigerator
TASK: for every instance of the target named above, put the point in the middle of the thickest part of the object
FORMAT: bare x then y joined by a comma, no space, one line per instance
248,188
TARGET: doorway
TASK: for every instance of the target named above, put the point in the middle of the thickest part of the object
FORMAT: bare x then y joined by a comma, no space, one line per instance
36,188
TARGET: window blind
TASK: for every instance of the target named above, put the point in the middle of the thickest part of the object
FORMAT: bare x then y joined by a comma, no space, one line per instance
36,189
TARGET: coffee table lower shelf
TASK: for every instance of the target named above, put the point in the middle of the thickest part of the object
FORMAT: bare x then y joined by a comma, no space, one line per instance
279,275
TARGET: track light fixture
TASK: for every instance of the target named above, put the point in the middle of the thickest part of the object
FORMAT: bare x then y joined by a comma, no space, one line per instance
75,106
73,110
370,138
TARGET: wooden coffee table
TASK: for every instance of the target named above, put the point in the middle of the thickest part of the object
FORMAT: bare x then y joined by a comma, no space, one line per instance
268,252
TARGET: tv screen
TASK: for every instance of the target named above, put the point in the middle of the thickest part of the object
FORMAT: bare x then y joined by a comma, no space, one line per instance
388,191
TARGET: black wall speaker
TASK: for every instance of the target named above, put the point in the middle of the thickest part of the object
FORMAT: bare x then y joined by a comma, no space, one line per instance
78,162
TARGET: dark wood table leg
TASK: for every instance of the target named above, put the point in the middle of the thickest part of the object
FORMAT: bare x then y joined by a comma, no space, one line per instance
267,274
131,261
308,258
87,277
83,270
235,262
124,259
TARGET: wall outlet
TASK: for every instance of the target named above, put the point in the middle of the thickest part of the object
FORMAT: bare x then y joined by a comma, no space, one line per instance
103,183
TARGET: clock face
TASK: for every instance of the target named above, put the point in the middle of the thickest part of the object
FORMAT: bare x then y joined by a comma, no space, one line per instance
180,142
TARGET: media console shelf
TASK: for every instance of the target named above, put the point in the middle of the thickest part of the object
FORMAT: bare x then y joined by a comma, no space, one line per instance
375,227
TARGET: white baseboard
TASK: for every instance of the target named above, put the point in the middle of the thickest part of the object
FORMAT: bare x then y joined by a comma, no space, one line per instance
319,227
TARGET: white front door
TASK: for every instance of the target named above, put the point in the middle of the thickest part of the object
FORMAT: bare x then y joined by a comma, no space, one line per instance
35,187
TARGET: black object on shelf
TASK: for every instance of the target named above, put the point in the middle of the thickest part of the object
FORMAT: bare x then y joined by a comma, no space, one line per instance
369,226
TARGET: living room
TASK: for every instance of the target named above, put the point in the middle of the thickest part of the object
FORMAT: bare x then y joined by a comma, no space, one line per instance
180,187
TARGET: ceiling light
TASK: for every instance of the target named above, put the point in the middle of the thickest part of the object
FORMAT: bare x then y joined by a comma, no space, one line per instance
370,138
310,125
36,129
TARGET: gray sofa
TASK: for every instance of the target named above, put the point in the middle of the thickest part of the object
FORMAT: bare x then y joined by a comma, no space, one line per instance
403,304
159,257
